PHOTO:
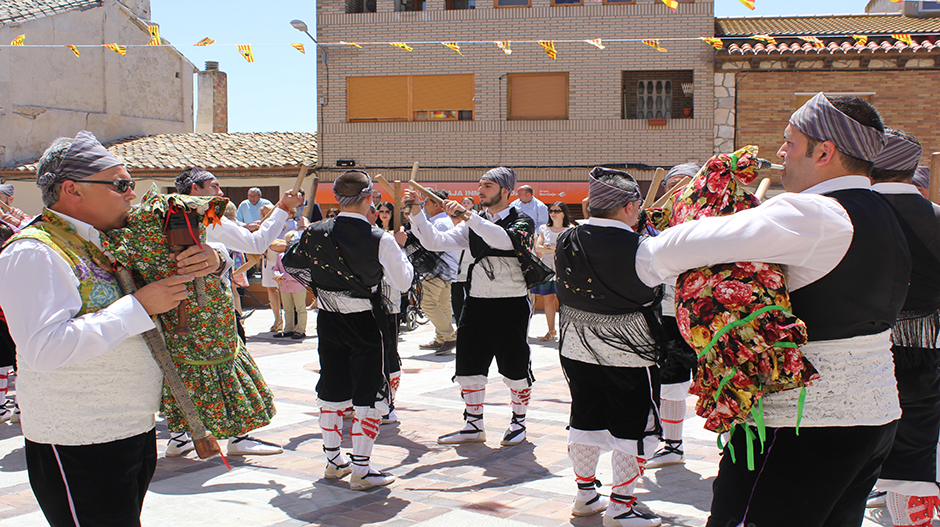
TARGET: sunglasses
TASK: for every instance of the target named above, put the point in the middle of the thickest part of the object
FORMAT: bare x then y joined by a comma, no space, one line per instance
120,185
384,211
555,210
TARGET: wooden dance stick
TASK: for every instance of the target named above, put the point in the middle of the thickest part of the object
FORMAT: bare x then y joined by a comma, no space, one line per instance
934,190
313,193
396,207
205,444
665,197
434,197
654,186
762,189
380,179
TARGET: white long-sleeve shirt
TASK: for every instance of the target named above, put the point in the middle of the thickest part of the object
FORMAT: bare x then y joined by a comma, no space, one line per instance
237,238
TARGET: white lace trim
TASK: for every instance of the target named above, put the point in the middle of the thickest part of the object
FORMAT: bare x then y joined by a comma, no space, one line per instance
507,281
856,386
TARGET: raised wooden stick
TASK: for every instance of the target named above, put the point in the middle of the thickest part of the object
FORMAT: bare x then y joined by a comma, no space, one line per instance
380,179
934,190
651,193
433,197
396,207
665,197
762,189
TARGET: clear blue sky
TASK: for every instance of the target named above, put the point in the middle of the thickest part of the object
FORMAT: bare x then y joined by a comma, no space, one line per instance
277,92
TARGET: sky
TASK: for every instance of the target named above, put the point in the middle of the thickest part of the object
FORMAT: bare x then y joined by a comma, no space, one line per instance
277,92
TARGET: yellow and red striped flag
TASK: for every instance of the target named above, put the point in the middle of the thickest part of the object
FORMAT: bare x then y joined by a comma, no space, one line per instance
814,41
748,4
73,48
402,45
18,41
549,47
904,37
671,4
596,43
714,42
655,45
154,36
353,44
765,38
205,42
299,47
120,50
860,39
245,51
898,1
454,46
504,45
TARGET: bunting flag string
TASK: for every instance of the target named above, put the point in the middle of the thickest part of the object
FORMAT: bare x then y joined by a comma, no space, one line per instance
353,44
205,42
655,45
596,43
549,47
73,48
299,47
245,50
818,44
748,4
402,45
454,46
860,39
671,4
714,42
120,50
154,36
765,38
904,37
505,46
18,41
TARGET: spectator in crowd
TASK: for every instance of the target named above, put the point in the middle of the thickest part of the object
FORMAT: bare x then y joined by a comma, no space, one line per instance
293,298
249,211
9,214
332,213
559,221
531,206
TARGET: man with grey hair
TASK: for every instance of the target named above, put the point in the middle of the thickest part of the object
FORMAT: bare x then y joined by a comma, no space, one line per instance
89,463
249,211
531,206
9,214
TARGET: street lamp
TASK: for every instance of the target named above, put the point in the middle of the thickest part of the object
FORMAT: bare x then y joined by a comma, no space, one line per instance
299,25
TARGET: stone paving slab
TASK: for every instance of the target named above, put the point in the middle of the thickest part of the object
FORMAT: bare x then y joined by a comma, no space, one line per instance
477,485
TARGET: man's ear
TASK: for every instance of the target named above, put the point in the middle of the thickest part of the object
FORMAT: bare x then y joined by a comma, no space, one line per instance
825,153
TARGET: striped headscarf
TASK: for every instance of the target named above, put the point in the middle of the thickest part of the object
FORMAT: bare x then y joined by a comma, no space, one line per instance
502,176
922,177
898,154
86,157
822,121
363,194
602,196
196,175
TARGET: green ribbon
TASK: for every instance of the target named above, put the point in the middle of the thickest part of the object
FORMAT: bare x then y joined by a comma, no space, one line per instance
799,408
757,411
731,325
724,381
750,446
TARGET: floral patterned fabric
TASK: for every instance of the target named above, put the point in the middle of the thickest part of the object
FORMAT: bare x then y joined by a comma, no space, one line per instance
222,378
736,316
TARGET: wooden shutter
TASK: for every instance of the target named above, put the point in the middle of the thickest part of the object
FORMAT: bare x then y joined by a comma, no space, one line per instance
538,96
377,98
442,92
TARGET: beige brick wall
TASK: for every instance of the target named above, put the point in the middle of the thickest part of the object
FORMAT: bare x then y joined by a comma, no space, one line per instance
594,132
766,100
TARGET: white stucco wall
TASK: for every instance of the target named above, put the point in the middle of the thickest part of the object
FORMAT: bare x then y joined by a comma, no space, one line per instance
49,92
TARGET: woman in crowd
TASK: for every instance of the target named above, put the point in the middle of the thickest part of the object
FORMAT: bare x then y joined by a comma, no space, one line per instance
384,219
558,222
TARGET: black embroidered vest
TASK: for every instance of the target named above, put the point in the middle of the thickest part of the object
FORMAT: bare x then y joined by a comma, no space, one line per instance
863,294
921,225
480,249
358,245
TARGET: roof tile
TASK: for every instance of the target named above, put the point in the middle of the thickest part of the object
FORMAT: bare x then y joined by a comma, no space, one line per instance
12,11
874,24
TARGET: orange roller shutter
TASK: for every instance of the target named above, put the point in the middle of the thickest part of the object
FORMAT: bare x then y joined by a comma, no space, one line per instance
538,96
442,92
377,98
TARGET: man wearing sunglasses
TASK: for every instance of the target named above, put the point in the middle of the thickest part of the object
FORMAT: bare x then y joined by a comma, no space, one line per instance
88,463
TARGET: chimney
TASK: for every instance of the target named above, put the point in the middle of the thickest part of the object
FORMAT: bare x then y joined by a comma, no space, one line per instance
212,115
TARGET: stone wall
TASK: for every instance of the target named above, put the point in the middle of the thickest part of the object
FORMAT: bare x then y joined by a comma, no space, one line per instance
725,94
49,92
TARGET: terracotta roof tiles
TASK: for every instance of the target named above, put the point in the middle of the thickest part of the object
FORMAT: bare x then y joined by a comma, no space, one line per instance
874,24
22,10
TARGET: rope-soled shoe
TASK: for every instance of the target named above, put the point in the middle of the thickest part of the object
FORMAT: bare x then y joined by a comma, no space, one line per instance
335,470
514,436
671,454
471,433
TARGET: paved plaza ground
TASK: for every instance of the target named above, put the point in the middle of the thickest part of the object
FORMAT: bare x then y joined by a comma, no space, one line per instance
479,485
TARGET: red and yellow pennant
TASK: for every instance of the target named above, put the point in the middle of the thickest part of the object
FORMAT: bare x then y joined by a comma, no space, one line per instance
205,42
714,42
655,45
904,37
671,4
765,38
454,46
18,41
73,48
402,45
549,47
154,36
353,44
117,48
245,51
860,39
504,45
814,41
748,4
596,43
299,47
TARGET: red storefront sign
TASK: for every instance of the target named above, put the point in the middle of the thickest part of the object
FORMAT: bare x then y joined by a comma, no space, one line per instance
547,192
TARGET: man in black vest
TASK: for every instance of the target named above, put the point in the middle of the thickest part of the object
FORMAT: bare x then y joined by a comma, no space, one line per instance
344,260
495,318
847,270
610,343
909,476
